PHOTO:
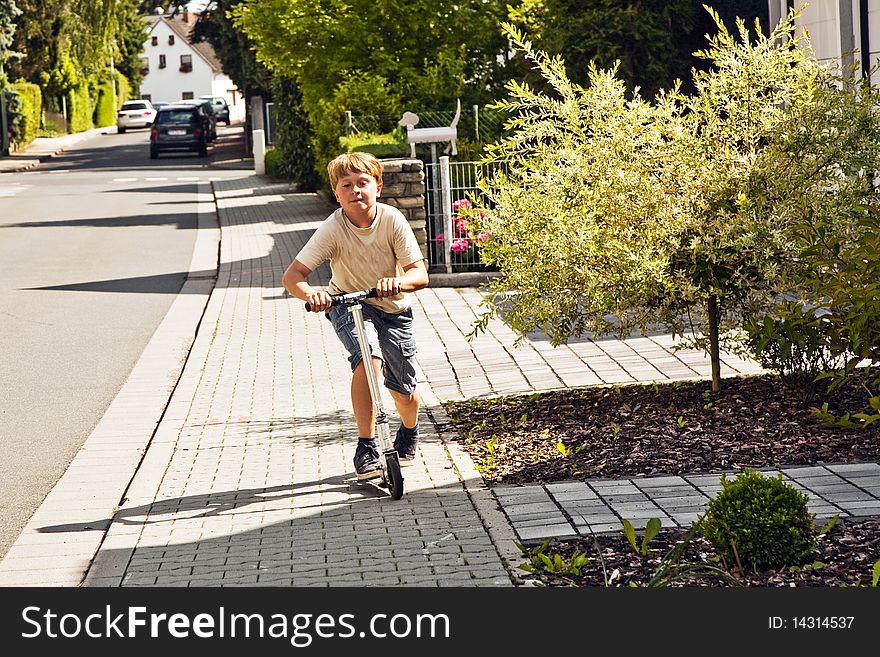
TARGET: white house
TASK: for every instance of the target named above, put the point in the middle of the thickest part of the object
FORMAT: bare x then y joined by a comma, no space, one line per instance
847,31
175,69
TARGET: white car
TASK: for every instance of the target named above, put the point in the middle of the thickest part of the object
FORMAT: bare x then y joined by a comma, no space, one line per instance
135,114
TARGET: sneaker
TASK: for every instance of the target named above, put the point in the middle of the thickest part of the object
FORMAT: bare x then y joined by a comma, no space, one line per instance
366,460
405,444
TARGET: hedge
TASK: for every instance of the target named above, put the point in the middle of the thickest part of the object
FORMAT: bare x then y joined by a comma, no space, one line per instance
31,109
80,108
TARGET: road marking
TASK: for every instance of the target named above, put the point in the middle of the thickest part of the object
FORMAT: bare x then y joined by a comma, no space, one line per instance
12,190
60,171
124,179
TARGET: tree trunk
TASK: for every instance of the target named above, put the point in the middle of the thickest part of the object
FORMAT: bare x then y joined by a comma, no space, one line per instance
714,348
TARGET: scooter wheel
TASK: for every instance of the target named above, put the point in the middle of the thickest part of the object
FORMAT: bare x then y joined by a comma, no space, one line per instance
395,478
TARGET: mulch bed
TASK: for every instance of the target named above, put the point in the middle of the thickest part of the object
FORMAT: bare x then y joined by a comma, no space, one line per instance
673,429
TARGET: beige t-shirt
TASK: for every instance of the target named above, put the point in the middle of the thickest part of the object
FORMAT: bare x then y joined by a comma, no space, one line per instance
359,257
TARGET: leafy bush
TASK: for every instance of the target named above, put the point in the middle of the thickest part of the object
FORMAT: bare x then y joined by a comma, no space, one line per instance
273,163
79,103
105,112
759,521
380,145
796,345
294,157
31,109
123,89
13,113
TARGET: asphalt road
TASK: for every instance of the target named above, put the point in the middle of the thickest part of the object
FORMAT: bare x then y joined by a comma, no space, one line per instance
94,246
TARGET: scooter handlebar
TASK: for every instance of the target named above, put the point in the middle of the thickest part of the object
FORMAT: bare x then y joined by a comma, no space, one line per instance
350,298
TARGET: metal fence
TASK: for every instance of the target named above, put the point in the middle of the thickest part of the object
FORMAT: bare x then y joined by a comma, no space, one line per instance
452,247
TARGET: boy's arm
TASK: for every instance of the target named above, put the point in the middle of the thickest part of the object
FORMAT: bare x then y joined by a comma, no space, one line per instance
295,281
415,277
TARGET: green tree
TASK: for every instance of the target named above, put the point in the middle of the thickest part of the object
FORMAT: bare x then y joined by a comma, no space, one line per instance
321,46
9,11
296,159
414,49
128,41
642,36
653,40
615,212
39,30
233,47
293,132
60,38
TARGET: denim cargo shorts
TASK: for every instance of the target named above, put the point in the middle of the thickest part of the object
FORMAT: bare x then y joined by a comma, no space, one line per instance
390,338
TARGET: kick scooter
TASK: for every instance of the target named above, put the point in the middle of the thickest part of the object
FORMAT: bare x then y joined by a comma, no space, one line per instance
390,477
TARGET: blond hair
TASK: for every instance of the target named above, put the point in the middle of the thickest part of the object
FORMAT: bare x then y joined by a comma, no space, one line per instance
354,163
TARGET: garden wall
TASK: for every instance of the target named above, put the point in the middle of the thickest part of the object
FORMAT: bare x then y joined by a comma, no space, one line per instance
403,187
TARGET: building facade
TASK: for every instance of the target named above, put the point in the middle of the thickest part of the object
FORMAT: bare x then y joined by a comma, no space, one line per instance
841,31
174,69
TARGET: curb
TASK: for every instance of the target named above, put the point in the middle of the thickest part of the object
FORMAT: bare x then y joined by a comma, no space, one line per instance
33,154
483,499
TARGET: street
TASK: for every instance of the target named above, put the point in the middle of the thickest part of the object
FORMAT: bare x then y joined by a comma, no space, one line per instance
94,246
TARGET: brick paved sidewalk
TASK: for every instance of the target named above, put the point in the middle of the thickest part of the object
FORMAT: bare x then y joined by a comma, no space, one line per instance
247,480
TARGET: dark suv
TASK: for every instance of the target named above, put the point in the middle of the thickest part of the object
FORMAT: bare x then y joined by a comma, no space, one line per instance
180,127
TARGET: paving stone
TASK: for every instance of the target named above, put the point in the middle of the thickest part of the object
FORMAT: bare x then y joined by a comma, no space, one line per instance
681,501
653,483
546,531
624,498
599,528
854,468
861,508
809,471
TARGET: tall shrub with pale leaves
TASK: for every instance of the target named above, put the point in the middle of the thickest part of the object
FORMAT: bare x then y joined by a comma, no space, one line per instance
616,212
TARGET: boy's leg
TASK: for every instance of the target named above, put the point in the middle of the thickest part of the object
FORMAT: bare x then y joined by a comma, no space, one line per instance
398,351
407,407
361,401
366,456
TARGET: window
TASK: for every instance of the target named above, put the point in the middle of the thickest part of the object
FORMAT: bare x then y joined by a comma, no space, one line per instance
186,95
170,39
186,63
147,97
145,65
161,61
155,41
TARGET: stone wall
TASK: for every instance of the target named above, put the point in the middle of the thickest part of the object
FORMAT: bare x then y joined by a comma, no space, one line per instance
403,187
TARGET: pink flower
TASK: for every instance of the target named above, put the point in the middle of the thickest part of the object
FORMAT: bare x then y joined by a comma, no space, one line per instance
440,237
461,203
460,245
461,225
483,236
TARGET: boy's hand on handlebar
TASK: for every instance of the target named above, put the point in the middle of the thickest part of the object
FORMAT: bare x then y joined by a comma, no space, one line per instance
319,301
387,287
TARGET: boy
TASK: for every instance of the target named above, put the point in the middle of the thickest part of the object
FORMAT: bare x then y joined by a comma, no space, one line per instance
369,244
